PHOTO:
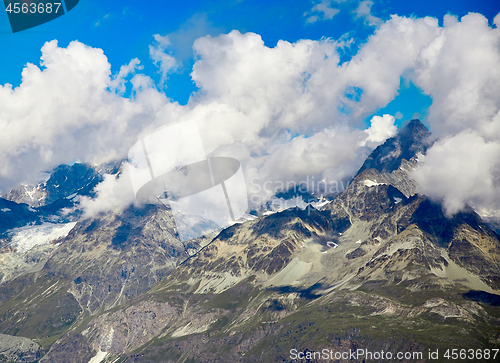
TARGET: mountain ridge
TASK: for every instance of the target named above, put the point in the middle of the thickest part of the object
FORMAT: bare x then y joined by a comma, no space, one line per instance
411,139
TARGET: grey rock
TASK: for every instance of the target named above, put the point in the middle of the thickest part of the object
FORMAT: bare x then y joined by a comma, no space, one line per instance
19,349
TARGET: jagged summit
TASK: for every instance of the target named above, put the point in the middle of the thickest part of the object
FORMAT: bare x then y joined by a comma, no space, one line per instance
63,181
413,138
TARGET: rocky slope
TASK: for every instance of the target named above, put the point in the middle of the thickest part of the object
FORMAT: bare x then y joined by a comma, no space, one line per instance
19,349
101,263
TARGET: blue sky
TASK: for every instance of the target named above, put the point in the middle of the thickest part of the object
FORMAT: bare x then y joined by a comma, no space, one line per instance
125,29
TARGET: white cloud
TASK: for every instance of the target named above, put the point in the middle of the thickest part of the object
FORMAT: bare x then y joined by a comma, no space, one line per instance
328,156
250,92
114,192
254,99
364,11
165,62
381,129
118,82
323,11
460,70
461,169
311,19
65,111
181,40
99,22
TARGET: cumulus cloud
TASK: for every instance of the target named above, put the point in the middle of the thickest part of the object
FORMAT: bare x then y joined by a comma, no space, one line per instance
286,112
300,87
114,192
119,80
327,158
181,40
461,169
381,129
460,70
254,99
68,110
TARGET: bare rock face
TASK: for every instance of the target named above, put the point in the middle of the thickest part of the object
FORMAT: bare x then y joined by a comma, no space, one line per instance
19,349
130,328
63,181
32,195
14,215
411,140
75,348
115,332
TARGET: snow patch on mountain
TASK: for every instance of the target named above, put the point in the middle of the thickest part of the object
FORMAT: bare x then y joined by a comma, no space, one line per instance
372,183
25,238
98,357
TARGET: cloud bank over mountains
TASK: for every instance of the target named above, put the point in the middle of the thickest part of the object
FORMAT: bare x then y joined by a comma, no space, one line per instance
285,112
460,70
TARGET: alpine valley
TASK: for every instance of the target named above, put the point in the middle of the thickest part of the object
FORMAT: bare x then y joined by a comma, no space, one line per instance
378,267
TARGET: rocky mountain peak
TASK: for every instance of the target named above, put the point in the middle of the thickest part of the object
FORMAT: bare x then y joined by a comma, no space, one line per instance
415,129
63,181
67,179
410,140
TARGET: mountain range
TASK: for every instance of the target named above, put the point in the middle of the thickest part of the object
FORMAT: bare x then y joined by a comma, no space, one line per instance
379,267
